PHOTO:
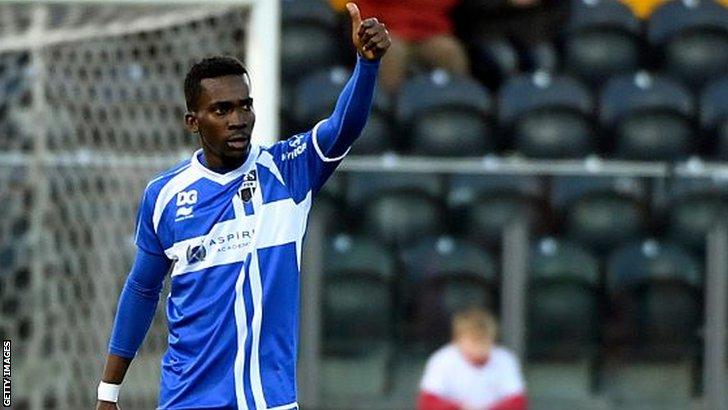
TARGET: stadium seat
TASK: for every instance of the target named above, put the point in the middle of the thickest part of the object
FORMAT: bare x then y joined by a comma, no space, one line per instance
399,217
695,207
654,289
547,117
600,212
493,60
445,115
358,283
330,211
651,347
481,205
357,266
692,39
602,39
563,318
463,189
443,275
315,98
315,95
692,217
714,116
308,34
485,219
648,116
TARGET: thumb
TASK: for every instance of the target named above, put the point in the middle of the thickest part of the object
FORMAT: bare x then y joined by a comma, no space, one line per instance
355,17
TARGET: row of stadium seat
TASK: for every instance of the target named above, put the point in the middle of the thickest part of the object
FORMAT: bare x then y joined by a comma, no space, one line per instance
598,212
639,116
601,38
652,293
438,114
688,39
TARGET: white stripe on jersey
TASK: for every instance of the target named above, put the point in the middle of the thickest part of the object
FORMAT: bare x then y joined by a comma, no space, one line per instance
256,290
225,253
240,321
178,183
285,406
320,153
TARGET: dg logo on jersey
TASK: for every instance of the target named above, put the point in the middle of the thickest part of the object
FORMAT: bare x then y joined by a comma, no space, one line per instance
247,189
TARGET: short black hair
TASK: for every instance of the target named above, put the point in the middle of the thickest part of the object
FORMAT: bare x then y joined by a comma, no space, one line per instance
211,67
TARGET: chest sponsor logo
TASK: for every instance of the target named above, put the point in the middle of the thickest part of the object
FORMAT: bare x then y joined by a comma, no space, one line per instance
247,189
218,247
185,200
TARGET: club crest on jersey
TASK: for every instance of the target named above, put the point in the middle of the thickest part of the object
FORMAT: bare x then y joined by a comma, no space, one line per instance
196,253
247,189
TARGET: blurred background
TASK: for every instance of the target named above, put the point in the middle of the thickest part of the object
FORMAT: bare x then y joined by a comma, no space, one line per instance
559,162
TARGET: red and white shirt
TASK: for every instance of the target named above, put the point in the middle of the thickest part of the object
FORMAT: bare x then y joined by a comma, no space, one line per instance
453,382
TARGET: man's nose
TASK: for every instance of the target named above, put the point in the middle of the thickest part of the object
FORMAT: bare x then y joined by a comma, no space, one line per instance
240,118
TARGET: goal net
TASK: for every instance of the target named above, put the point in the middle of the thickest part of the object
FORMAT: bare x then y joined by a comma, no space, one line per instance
91,106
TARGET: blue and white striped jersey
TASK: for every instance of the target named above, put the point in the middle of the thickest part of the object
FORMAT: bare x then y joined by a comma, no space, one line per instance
235,240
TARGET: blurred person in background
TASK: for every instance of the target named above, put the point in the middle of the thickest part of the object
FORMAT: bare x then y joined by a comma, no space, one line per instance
472,372
422,34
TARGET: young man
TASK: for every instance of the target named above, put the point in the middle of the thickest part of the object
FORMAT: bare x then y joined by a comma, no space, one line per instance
472,373
229,224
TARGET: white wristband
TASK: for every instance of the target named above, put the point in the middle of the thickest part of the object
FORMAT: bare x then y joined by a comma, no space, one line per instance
109,392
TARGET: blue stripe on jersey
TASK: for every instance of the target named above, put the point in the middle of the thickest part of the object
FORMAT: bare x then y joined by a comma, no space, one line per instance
278,344
248,207
248,299
202,341
273,189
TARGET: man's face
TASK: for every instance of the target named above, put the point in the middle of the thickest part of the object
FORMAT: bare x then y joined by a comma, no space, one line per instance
224,119
475,349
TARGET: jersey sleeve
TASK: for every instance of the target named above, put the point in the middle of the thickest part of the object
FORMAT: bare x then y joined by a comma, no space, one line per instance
307,160
434,379
146,237
302,168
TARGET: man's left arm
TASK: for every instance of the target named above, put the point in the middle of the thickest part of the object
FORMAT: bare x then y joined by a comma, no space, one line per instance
333,136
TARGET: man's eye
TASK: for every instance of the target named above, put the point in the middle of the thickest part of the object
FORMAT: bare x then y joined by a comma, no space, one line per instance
221,111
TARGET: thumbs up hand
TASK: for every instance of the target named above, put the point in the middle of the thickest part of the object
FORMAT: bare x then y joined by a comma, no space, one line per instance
370,37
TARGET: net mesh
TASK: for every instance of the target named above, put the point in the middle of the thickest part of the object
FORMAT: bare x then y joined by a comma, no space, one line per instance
91,107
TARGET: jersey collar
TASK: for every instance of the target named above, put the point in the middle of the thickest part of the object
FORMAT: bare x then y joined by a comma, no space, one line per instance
225,178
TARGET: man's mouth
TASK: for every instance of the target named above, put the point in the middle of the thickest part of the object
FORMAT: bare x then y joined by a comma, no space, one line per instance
238,142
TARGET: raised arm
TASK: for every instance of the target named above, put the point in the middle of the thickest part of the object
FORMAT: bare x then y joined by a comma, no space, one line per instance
137,304
335,135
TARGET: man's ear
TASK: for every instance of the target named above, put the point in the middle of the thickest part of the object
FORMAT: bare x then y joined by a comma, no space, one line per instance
191,122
